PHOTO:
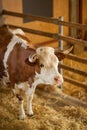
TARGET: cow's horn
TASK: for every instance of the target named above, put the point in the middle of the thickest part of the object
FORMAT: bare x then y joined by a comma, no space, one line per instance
61,54
32,58
68,50
64,51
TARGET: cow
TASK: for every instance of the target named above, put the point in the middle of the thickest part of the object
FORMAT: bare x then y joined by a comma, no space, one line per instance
24,66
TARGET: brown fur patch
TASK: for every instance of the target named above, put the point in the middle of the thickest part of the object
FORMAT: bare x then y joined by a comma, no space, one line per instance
5,36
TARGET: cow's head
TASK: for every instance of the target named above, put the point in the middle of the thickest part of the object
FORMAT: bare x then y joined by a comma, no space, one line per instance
48,59
42,53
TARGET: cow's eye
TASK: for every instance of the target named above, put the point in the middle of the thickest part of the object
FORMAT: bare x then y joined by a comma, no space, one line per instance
41,49
41,65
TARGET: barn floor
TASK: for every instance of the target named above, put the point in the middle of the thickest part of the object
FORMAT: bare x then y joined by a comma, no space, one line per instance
50,113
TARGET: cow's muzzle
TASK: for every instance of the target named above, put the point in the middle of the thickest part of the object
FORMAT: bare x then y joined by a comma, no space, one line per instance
58,80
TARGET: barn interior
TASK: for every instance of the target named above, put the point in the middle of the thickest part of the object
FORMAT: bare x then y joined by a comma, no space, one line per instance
54,109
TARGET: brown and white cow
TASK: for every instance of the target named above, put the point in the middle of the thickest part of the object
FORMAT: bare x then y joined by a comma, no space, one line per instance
24,67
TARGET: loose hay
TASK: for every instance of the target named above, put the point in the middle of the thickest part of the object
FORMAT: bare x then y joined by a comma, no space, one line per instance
47,114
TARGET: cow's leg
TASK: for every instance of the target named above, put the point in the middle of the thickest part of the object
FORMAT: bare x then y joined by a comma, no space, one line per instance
20,96
29,104
29,96
21,110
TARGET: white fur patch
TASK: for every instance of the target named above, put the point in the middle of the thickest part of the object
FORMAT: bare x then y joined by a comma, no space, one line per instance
15,39
45,49
25,87
17,31
47,75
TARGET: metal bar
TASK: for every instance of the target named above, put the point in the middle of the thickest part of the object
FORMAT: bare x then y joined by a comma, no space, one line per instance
60,46
60,33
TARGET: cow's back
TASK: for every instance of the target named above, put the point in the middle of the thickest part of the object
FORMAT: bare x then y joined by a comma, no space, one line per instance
14,50
5,37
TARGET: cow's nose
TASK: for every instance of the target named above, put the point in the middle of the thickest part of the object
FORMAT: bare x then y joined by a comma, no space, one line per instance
58,79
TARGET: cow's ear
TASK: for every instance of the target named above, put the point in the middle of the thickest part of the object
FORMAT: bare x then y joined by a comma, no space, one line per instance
60,55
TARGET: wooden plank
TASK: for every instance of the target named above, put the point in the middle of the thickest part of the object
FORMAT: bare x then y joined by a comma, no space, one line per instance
71,100
76,58
1,13
29,16
73,69
45,19
53,35
71,40
37,32
1,17
65,99
75,82
72,24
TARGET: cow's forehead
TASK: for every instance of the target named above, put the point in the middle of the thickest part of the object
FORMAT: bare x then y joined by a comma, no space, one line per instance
45,49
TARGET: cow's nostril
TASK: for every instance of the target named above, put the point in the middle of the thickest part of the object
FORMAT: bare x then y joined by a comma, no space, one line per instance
41,49
56,78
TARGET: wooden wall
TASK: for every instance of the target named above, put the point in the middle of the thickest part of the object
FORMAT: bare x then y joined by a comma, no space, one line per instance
84,17
60,8
84,12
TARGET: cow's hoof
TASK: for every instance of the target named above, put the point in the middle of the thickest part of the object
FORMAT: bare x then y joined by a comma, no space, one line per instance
22,117
30,113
